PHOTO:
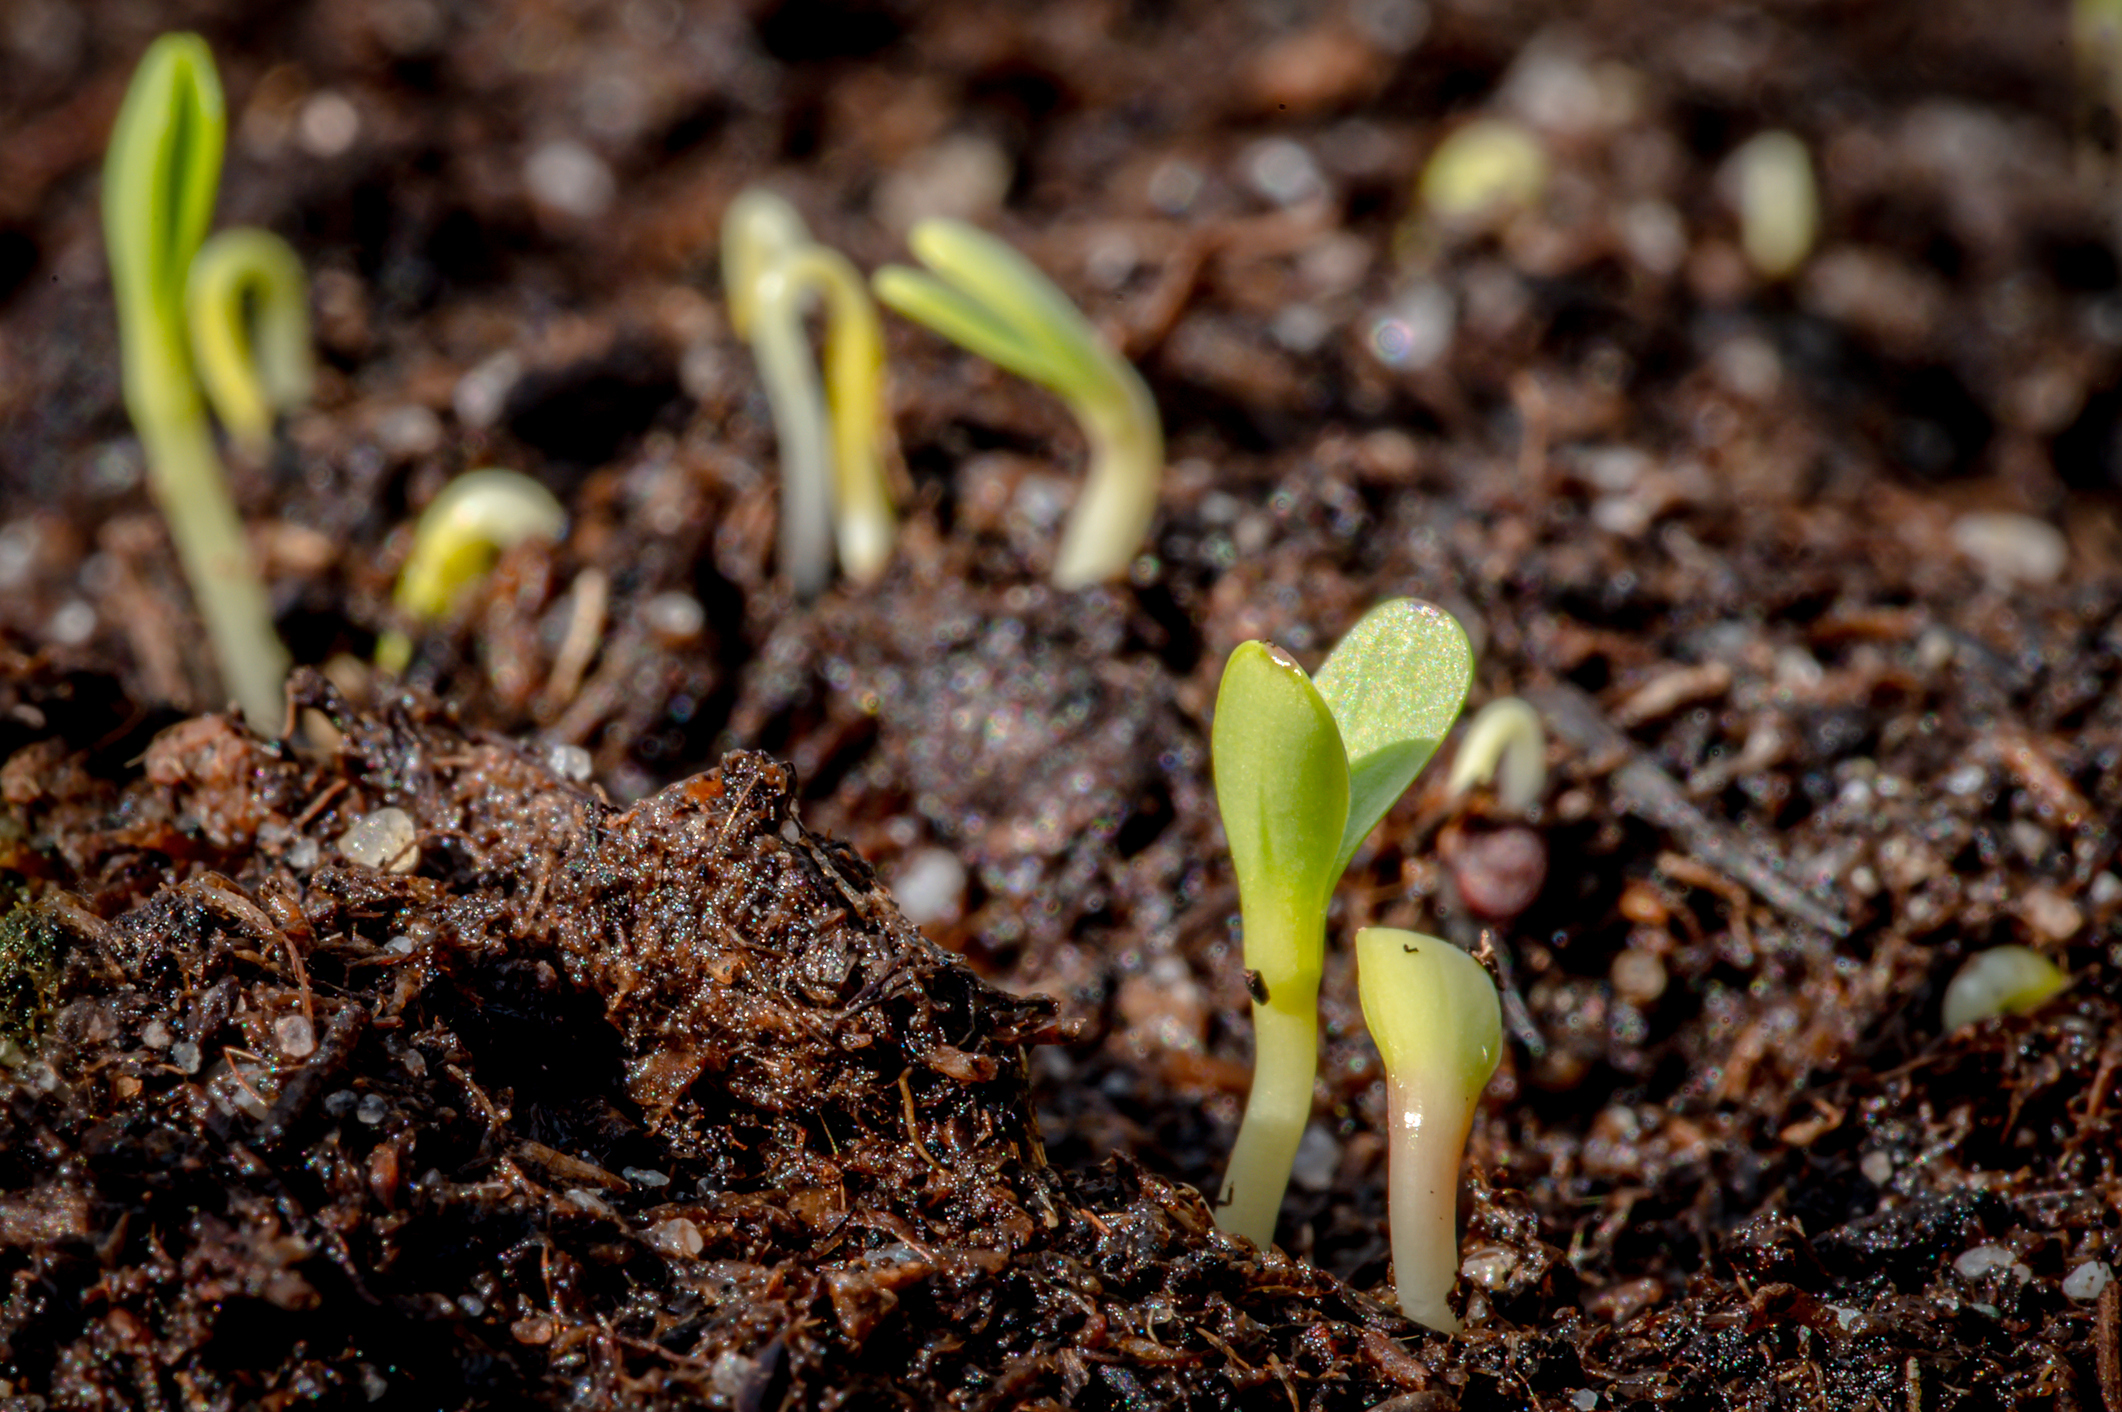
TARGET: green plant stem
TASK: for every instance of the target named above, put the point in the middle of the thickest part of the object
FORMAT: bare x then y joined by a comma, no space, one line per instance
246,302
1119,499
216,558
1285,1062
1428,1128
861,506
798,406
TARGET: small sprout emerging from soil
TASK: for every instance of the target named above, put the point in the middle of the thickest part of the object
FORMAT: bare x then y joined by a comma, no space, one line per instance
159,181
1434,1016
1504,744
2004,980
770,269
247,303
476,517
984,296
1771,179
1484,172
1303,773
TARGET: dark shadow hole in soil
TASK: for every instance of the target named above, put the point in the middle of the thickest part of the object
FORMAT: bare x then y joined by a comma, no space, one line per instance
693,128
1023,95
88,711
1188,407
2088,452
315,631
805,31
2079,261
1153,813
1165,628
19,257
584,415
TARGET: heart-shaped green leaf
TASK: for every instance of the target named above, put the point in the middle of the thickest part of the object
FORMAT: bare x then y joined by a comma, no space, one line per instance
1395,684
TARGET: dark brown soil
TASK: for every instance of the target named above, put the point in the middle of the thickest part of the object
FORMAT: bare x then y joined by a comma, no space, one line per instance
642,1089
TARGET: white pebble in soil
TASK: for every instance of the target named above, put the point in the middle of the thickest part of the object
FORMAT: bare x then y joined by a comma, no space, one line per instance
930,887
2085,1283
382,838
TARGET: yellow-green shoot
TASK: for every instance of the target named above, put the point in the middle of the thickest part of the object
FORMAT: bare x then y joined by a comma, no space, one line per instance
246,301
1304,771
1503,744
159,182
2004,980
1434,1016
833,445
1771,177
476,517
981,294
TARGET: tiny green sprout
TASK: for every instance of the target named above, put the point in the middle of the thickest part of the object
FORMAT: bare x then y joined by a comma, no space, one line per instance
1434,1015
833,446
1504,743
1304,771
2004,980
1484,172
476,517
985,297
1771,178
159,181
247,303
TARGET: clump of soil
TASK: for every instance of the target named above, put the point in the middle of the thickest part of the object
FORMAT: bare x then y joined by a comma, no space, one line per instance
655,1106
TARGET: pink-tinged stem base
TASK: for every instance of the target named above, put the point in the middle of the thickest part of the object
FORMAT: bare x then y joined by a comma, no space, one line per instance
1429,1126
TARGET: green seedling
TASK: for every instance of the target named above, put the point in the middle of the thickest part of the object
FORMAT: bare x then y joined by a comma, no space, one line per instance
984,296
1434,1015
1482,174
1771,179
1504,744
833,446
159,181
1304,771
2004,980
246,301
476,517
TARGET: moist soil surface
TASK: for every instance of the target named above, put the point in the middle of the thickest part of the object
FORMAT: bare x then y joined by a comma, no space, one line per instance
769,1004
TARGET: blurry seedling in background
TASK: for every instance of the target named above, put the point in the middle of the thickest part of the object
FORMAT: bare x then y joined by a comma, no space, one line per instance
1483,173
246,301
1503,744
1433,1013
833,446
1303,772
476,517
2004,980
159,181
2096,46
1770,180
982,295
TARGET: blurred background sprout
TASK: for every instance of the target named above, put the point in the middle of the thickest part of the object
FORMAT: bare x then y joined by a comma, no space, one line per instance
1770,178
160,177
476,517
1505,745
982,295
833,446
247,304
